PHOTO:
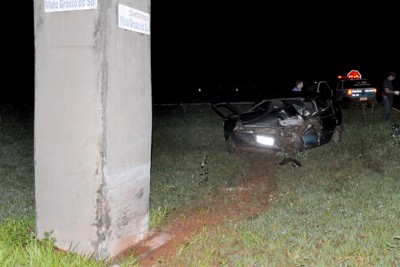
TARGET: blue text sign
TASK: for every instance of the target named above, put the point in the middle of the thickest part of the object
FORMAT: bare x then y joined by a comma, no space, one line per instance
68,5
133,19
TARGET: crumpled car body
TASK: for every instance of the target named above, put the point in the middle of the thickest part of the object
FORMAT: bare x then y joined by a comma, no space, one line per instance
287,124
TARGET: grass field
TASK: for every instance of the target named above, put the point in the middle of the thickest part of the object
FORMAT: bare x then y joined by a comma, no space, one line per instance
341,208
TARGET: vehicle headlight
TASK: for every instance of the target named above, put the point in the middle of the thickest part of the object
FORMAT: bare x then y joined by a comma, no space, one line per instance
265,140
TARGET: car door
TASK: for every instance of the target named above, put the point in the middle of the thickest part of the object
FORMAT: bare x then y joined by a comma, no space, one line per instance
328,115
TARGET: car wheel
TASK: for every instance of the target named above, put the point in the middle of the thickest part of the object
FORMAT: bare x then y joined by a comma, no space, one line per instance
336,134
226,134
231,146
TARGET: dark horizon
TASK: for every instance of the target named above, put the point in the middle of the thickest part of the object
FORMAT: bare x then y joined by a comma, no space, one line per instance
227,45
231,44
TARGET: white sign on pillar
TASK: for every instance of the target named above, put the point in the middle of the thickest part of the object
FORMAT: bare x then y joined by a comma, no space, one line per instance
133,19
68,5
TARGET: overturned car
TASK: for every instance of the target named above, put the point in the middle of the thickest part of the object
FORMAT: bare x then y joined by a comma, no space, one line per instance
289,124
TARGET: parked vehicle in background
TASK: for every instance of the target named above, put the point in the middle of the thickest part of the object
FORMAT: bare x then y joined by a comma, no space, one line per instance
294,122
353,89
321,87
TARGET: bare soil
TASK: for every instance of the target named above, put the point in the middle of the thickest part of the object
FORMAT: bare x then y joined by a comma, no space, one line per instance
239,203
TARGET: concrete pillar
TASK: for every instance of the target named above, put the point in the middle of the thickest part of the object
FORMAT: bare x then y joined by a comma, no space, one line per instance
93,120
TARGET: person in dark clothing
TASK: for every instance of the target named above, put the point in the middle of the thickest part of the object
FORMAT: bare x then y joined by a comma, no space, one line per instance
388,94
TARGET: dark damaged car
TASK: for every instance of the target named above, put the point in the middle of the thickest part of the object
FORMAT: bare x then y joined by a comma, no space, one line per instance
289,124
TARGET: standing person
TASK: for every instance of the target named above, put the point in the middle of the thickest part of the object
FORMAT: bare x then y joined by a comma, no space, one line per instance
388,94
298,87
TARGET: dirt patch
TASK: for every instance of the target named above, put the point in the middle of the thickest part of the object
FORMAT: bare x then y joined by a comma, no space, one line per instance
238,203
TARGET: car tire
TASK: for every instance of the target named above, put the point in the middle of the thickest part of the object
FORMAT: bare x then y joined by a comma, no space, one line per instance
226,134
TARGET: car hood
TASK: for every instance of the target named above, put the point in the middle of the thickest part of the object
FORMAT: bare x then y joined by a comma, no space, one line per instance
282,117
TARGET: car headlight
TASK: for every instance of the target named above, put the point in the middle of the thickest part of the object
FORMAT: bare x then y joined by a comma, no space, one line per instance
265,140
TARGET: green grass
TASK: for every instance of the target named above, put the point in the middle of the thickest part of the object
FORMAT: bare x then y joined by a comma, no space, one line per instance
17,194
341,208
191,163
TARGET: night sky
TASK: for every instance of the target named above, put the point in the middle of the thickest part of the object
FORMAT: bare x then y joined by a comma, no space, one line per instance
221,44
17,58
228,44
